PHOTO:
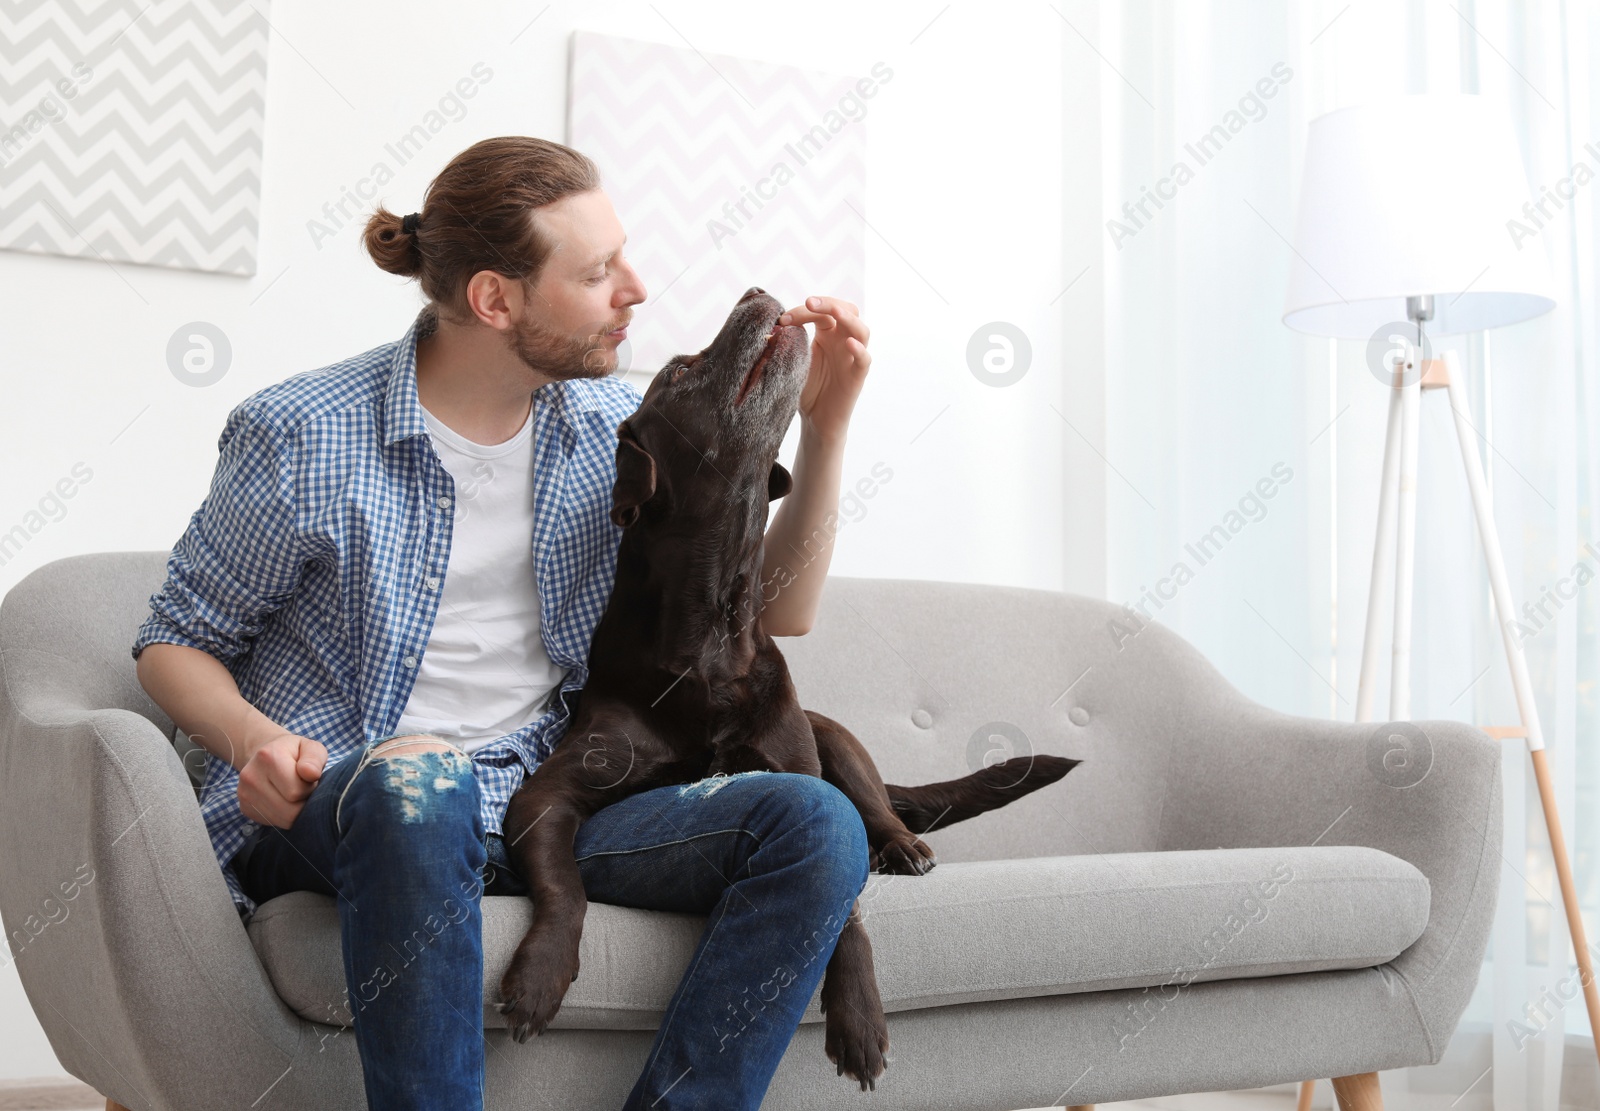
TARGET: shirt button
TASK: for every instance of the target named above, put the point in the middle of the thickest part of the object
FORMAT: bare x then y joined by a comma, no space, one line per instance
444,502
433,582
410,661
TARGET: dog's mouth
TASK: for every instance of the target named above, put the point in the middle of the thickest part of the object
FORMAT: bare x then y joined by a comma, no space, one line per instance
780,336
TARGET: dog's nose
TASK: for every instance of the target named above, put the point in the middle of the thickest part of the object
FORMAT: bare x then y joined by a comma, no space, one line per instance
753,291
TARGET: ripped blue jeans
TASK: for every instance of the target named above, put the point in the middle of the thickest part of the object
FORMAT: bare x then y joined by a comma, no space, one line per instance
774,860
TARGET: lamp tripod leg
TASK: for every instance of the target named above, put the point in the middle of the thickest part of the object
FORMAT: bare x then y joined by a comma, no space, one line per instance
1505,614
1382,561
1405,547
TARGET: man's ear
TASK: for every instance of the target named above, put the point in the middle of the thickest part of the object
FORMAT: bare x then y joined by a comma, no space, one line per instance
636,478
779,482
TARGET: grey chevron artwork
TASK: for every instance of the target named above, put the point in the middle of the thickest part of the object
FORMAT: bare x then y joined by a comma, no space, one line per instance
130,130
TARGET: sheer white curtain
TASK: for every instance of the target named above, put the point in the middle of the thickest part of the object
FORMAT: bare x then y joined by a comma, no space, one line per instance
1211,400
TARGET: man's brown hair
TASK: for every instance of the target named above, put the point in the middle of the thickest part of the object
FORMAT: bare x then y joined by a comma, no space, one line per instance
477,215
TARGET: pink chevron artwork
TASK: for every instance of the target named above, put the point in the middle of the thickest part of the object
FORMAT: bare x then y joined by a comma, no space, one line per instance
726,173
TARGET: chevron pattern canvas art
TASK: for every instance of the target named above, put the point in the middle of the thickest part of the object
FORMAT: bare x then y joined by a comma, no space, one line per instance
130,130
725,173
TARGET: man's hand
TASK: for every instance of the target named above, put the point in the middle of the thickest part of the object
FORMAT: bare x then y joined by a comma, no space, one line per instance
278,778
277,768
839,362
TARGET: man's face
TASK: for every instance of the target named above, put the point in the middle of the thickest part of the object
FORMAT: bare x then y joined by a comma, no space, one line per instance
577,313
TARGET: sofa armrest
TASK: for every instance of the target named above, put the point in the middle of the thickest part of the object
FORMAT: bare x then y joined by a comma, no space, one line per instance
119,921
1428,792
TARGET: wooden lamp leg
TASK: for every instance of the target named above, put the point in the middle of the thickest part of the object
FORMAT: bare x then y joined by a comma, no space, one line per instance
1521,686
1359,1092
1569,890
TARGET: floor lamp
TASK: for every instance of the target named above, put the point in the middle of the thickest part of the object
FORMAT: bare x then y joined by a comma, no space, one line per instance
1401,236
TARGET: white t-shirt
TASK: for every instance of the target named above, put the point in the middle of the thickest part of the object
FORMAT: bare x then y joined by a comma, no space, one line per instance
485,670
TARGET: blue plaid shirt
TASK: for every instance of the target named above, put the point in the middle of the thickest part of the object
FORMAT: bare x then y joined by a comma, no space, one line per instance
313,567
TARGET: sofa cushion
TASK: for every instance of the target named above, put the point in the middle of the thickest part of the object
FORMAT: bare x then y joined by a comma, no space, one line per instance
966,931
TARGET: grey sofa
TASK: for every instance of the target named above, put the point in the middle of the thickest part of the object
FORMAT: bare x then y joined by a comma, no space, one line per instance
1219,897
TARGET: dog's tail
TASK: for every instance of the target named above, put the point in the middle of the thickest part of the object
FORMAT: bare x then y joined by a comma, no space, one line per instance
936,805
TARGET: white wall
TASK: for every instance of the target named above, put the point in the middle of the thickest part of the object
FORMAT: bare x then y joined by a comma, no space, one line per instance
967,199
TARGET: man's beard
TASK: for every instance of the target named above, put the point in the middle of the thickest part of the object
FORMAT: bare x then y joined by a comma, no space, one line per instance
562,356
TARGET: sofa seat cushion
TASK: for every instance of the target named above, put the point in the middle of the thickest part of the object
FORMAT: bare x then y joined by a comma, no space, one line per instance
967,931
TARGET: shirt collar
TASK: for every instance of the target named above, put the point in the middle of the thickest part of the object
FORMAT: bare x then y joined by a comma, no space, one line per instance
402,411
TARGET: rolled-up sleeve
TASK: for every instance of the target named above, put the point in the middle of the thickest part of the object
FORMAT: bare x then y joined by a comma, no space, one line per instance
238,560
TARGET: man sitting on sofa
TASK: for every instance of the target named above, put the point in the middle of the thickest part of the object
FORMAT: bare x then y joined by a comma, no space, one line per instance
358,592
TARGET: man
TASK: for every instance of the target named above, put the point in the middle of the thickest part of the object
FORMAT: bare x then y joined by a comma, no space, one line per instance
358,629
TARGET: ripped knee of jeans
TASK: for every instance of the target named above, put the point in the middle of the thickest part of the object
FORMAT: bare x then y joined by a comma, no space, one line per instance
711,784
422,777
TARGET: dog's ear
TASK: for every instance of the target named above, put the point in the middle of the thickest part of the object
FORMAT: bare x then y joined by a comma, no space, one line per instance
779,482
636,477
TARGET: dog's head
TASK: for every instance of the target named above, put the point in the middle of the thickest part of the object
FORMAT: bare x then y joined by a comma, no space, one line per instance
705,438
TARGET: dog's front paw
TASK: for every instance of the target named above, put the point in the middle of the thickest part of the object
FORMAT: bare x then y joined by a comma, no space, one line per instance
541,971
856,1038
904,854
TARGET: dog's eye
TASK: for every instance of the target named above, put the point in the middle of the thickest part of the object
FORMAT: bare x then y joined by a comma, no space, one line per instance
677,373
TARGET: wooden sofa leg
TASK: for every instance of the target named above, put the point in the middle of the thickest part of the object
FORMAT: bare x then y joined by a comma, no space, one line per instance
1355,1093
113,1105
1359,1092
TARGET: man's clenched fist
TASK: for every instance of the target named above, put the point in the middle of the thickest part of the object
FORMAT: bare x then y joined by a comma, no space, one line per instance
278,778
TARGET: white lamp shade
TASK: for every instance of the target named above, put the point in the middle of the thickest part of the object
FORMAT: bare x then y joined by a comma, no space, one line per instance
1414,195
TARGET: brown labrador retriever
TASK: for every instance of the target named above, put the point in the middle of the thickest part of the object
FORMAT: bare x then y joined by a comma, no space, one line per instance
683,683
